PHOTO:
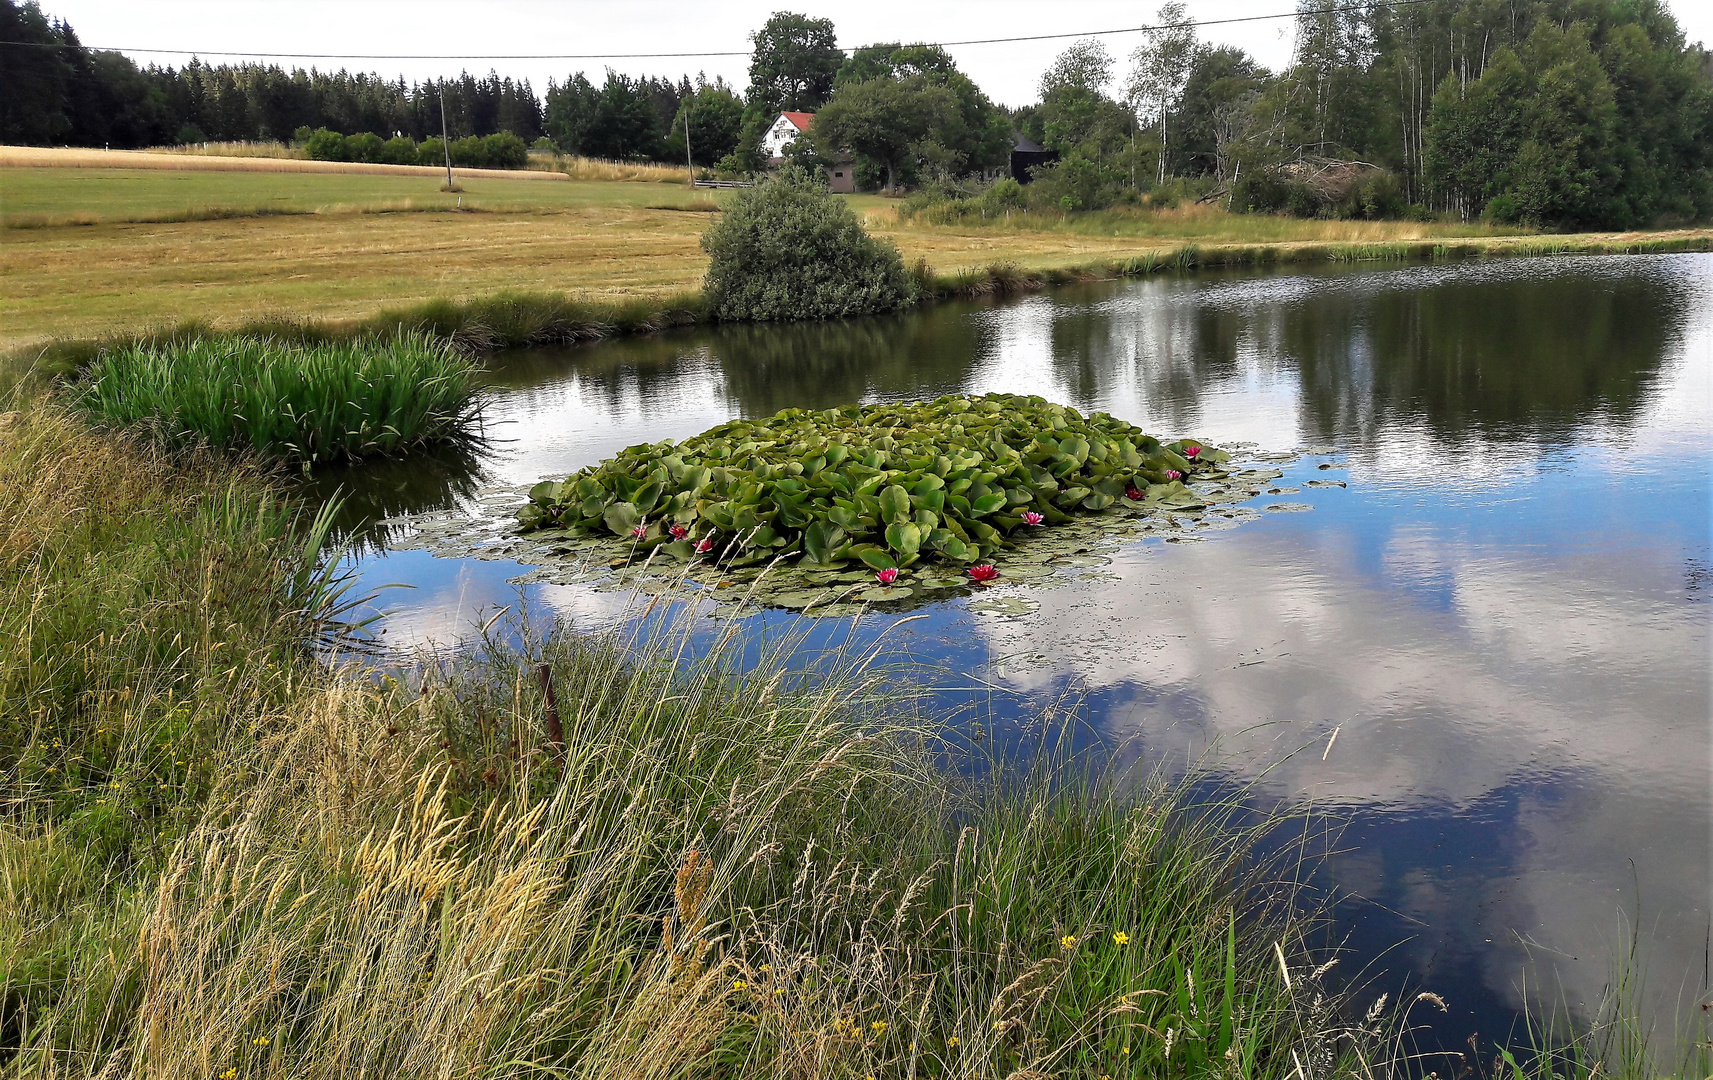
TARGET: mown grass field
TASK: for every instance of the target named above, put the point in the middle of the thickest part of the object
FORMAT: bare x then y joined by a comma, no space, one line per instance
92,251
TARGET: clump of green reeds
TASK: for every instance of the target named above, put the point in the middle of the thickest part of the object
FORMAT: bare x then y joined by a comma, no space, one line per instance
326,401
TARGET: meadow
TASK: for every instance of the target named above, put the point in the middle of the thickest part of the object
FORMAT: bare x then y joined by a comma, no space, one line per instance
92,252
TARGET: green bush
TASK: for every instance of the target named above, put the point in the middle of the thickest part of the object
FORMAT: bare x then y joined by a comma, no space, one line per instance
431,151
365,146
505,151
470,152
399,150
790,249
325,145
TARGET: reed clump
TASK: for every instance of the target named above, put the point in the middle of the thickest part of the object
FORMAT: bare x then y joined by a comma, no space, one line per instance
308,402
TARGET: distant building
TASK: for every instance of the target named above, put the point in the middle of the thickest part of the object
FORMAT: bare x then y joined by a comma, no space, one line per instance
1026,155
841,174
784,132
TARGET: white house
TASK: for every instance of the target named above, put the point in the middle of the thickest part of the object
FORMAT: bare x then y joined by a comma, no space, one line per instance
841,175
784,132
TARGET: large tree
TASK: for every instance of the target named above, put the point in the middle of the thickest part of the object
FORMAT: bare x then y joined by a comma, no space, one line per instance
887,120
714,115
976,135
793,64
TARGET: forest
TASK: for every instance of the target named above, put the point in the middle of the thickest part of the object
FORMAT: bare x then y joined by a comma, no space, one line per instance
1563,114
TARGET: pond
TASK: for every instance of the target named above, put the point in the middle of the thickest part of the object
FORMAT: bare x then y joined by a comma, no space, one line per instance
1489,629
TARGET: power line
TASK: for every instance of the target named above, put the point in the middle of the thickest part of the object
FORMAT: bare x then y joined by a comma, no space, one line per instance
698,55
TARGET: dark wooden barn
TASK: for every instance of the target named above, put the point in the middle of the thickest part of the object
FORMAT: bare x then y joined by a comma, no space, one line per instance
1025,155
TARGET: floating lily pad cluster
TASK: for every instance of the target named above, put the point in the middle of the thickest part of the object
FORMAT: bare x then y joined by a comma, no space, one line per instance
884,485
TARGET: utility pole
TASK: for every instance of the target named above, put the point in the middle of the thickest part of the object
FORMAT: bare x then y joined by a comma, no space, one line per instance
688,163
445,143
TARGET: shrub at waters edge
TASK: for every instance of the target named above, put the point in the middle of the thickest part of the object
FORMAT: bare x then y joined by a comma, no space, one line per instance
790,249
886,485
307,402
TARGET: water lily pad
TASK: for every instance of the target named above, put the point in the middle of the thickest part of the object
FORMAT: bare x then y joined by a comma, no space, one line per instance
834,611
1325,484
1289,508
803,598
1005,606
883,593
1026,572
1083,560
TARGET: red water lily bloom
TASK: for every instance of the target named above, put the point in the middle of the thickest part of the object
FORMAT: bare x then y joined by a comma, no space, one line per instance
704,545
1173,474
640,531
887,576
1191,451
1030,517
982,573
1132,492
678,532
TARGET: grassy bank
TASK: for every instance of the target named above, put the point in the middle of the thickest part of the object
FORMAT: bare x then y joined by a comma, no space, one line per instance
114,251
219,858
517,319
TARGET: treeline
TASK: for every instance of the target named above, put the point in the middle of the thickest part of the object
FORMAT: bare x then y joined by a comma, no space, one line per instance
54,94
1558,113
1563,113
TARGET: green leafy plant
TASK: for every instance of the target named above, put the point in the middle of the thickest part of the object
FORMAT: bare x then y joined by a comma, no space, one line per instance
309,402
790,249
886,485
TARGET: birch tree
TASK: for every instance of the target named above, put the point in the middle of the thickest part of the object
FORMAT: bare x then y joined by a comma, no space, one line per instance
1159,67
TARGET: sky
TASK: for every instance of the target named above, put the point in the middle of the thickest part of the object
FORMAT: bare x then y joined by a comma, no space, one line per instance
1008,72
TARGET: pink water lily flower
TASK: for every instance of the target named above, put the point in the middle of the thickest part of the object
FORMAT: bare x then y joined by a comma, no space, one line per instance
705,545
1191,451
1133,492
1031,517
1173,474
678,532
887,576
640,530
982,573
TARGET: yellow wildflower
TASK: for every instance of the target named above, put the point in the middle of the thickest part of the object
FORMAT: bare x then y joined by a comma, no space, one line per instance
1069,941
952,1043
738,984
1121,938
878,1027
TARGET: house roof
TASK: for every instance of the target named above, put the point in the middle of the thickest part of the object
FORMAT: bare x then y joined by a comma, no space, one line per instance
800,120
1025,146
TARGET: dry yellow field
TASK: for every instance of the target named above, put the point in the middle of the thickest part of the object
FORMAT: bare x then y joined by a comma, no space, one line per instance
344,257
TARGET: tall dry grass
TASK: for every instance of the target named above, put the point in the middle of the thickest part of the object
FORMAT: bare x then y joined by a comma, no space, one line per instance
700,871
583,168
264,149
70,157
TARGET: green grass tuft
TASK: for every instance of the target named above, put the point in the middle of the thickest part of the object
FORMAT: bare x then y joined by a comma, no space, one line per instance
308,402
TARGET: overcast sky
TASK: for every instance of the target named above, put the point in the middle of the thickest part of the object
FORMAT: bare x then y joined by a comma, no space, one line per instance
392,27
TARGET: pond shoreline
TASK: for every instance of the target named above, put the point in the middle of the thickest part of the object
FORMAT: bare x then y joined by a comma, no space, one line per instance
508,320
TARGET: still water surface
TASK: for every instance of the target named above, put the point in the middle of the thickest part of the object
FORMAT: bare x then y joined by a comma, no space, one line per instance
1504,616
